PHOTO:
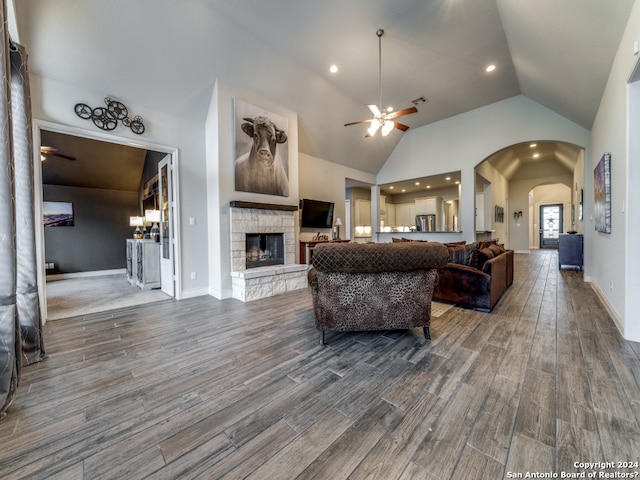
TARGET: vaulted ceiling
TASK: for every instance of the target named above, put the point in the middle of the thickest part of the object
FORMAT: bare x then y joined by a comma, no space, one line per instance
166,55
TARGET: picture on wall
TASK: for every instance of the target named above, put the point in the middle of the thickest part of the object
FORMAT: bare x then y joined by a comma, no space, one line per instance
261,151
57,214
602,194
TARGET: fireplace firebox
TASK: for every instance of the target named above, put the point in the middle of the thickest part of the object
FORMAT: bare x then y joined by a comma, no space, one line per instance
264,249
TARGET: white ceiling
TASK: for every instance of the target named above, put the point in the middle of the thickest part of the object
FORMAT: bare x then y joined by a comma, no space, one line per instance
166,55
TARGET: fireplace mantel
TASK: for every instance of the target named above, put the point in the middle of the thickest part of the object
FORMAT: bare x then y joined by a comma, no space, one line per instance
263,206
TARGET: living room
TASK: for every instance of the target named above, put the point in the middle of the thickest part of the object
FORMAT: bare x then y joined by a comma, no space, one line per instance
196,118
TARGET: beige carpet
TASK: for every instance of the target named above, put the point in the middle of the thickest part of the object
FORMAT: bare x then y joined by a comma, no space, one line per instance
438,309
80,296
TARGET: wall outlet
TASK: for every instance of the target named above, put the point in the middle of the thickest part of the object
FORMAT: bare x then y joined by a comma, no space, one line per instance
49,266
194,275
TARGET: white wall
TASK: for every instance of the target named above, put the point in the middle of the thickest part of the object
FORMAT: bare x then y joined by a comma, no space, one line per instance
500,197
54,102
613,273
463,141
323,180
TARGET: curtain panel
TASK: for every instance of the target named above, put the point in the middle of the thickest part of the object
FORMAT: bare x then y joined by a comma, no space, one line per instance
20,319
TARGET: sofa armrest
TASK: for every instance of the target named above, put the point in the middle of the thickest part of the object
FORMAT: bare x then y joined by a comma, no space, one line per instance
496,268
463,285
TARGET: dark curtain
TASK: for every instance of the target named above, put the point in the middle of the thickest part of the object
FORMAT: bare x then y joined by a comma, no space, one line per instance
20,318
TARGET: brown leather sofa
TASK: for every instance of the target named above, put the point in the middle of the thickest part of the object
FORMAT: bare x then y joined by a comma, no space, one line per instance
481,282
378,286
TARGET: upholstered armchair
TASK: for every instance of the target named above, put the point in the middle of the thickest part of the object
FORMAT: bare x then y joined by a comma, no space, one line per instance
380,286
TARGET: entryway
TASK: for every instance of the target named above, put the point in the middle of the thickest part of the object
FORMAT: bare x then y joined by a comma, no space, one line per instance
107,169
551,219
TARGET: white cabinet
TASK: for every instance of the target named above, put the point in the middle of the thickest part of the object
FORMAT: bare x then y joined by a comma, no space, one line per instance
362,212
391,215
431,206
405,214
480,212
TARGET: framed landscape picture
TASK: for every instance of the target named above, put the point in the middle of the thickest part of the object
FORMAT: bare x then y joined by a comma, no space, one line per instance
602,194
57,214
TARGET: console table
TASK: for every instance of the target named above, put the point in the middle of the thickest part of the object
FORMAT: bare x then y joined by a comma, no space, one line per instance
306,249
143,263
570,250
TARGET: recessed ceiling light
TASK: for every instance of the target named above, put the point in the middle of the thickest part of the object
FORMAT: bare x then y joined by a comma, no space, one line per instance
457,183
417,183
428,186
391,187
333,68
490,68
448,178
403,190
536,155
533,145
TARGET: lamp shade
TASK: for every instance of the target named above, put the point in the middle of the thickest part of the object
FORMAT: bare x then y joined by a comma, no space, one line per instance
136,221
338,222
152,216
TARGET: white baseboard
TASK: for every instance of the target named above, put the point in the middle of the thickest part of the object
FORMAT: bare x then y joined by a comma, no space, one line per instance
617,319
527,252
96,273
196,292
220,294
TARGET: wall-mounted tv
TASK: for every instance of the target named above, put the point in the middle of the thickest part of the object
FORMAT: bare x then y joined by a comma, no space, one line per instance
316,214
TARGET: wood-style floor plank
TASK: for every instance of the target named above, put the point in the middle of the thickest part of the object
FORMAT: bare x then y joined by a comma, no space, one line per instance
209,389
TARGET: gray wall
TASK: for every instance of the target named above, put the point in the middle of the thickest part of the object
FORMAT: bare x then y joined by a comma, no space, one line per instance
97,240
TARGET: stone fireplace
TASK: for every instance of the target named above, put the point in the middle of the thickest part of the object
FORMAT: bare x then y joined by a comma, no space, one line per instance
263,251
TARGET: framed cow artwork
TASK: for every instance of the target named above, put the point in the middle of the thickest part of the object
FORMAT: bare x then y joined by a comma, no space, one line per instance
262,153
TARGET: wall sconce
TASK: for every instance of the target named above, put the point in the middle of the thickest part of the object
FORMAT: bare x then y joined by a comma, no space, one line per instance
517,215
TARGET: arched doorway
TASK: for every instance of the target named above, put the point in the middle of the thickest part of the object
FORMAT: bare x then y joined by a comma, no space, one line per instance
514,172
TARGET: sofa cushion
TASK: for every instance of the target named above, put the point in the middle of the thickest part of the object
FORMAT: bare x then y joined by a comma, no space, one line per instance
461,254
496,249
480,256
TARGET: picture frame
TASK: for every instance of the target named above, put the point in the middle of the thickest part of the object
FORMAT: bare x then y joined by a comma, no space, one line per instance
57,214
261,156
602,194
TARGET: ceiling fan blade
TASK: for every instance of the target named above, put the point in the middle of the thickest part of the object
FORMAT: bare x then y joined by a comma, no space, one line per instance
400,113
374,110
56,154
358,122
400,126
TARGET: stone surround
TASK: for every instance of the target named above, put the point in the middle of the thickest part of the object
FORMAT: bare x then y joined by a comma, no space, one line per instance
263,282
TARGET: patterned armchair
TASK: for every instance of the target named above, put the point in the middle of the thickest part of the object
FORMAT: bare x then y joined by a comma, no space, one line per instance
378,286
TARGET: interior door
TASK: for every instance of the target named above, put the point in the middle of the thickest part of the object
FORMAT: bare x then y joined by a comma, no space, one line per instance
550,225
167,228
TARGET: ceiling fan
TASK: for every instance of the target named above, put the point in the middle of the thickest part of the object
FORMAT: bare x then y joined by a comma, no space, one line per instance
382,119
46,151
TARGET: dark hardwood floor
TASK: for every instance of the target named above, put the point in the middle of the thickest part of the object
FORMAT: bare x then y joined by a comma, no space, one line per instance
212,389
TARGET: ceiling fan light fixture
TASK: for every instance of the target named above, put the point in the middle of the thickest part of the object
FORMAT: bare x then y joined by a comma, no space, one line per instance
387,127
375,125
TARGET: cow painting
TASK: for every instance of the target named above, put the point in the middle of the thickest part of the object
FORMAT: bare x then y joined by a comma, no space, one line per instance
260,170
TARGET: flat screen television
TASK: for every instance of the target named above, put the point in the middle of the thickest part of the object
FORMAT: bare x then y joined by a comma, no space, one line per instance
316,214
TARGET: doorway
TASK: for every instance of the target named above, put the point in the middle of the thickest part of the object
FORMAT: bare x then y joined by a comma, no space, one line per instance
551,221
45,130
